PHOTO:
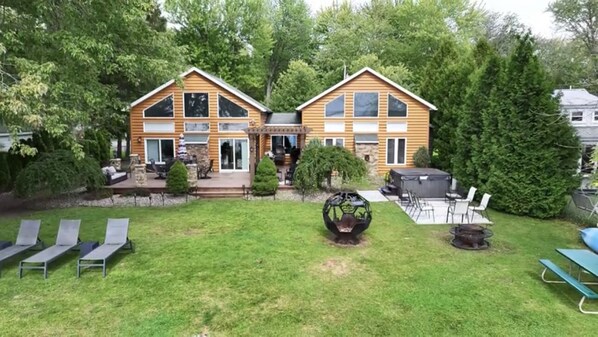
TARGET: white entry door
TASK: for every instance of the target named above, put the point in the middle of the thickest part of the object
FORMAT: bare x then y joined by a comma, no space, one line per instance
234,154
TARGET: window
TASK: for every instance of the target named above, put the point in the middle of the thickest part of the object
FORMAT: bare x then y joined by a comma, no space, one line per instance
163,109
159,150
365,104
396,108
334,142
227,108
577,116
336,107
232,127
595,116
196,104
197,127
288,142
587,166
395,151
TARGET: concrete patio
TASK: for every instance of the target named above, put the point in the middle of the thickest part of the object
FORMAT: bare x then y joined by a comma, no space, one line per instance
440,212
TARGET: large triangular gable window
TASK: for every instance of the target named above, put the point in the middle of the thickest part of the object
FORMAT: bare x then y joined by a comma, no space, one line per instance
162,109
227,108
336,107
396,108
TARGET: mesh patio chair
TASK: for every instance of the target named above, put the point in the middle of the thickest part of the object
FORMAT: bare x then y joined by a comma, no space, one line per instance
481,208
471,194
28,238
460,207
66,240
422,206
117,238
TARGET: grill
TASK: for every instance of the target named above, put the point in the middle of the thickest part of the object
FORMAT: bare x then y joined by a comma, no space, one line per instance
347,215
470,236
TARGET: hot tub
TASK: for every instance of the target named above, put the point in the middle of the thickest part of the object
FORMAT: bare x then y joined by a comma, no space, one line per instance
424,182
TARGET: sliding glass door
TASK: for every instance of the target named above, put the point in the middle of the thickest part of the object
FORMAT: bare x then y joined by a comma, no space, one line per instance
234,155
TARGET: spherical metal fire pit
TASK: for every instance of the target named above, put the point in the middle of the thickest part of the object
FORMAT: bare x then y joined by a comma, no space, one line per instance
347,215
471,236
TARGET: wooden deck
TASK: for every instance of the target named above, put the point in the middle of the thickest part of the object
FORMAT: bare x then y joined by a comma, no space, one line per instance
220,185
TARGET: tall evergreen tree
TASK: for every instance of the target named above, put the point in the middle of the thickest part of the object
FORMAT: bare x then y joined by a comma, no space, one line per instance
535,150
468,144
444,82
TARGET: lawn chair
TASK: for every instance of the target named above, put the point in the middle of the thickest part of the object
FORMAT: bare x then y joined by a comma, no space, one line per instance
452,193
422,206
471,194
460,207
161,171
202,171
584,202
288,175
482,207
28,238
67,239
116,239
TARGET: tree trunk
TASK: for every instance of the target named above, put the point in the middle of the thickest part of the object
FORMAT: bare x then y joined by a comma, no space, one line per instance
119,146
269,85
128,145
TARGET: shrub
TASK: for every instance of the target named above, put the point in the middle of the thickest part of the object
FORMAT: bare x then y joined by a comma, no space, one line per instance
176,181
318,162
265,181
421,157
58,172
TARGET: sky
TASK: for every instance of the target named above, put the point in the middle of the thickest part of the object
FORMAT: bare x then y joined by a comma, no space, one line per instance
531,12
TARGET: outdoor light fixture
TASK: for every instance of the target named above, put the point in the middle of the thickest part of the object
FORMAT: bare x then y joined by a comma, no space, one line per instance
138,139
367,157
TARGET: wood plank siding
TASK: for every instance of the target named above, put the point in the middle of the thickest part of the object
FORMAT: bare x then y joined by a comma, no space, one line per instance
418,118
193,82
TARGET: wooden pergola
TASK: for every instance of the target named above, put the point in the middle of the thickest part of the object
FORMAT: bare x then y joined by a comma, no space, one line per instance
256,132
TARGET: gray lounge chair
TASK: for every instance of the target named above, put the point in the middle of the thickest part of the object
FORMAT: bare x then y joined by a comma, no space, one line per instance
67,239
116,239
27,238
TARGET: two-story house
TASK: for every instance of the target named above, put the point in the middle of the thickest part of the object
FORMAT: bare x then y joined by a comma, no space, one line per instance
367,113
581,108
374,117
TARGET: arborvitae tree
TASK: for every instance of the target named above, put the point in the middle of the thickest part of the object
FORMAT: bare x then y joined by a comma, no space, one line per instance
536,149
468,143
176,181
265,181
421,157
444,83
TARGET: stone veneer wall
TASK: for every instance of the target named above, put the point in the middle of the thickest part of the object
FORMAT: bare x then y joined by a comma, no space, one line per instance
201,152
361,150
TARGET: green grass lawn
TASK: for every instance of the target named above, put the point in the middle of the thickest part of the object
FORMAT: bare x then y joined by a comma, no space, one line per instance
238,268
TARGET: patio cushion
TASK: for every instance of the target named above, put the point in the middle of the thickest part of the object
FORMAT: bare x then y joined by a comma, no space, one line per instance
590,238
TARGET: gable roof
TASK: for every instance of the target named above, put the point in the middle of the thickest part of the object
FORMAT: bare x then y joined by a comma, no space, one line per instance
375,73
216,80
578,97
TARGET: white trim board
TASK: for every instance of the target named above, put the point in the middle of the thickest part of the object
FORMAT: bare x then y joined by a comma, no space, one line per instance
219,82
375,73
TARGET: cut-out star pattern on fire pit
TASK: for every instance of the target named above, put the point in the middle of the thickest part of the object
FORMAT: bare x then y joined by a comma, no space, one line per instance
347,215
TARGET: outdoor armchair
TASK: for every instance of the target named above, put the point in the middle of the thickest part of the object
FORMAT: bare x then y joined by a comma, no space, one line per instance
481,208
116,239
460,207
471,194
66,240
27,239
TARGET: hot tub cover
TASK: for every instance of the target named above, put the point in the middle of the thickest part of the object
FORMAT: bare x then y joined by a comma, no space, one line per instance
420,174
